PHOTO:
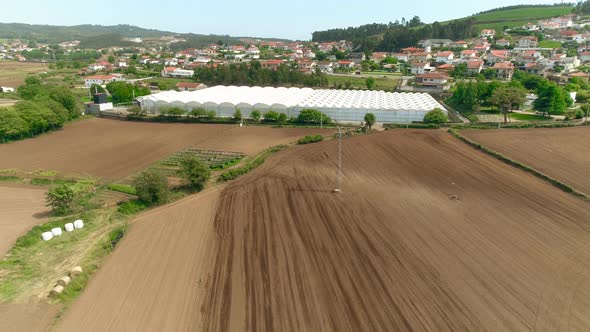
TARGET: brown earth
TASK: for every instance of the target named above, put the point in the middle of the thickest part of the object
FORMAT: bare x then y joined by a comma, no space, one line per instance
114,149
428,234
21,208
155,280
29,317
562,153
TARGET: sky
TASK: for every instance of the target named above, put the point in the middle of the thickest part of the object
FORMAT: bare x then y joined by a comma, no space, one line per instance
253,18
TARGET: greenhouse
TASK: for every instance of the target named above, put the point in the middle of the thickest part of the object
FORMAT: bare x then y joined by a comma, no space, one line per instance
340,105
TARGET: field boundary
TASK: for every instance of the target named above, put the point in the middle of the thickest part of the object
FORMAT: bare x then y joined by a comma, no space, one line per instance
556,183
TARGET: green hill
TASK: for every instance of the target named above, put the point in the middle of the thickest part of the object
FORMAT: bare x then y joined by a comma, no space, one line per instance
514,17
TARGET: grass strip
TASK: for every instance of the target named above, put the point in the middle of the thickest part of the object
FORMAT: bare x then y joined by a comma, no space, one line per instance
250,165
556,183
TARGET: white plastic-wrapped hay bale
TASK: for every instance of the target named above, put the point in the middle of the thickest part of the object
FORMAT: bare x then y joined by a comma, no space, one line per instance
76,271
56,291
56,231
47,236
64,281
78,224
69,227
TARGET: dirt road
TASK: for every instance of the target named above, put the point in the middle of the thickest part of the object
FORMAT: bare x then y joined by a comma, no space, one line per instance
113,149
20,209
155,279
562,153
428,235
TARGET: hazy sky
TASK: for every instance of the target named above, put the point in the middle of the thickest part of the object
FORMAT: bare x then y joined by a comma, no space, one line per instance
260,18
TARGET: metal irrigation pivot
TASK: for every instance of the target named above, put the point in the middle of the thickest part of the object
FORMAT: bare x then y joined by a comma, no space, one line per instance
339,174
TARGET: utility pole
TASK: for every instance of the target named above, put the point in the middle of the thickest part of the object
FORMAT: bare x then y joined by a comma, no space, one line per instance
339,174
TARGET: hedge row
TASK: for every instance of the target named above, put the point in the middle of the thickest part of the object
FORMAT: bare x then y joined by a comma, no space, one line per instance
556,183
237,172
413,126
310,139
519,125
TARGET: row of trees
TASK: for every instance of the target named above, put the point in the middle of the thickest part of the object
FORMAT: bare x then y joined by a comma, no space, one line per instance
123,92
254,75
394,36
551,98
45,107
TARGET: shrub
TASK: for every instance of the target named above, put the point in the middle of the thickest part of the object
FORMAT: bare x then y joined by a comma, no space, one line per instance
310,139
237,172
194,171
312,116
282,118
132,207
238,115
436,116
271,116
123,188
370,119
579,114
61,198
255,115
151,187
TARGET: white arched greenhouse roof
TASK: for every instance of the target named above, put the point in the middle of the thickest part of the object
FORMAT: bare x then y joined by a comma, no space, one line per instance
293,98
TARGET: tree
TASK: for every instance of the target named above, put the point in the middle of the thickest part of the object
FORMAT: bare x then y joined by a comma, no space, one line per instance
12,125
255,115
370,82
436,116
111,59
271,116
370,120
194,171
238,115
506,97
585,109
551,99
312,116
96,88
282,118
61,198
460,71
151,187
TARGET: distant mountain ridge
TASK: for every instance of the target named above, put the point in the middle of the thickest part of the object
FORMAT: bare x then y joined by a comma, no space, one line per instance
102,35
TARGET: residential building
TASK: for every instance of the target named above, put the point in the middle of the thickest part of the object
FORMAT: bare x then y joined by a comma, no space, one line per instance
101,79
580,75
346,64
469,55
420,67
326,66
177,72
535,68
445,57
487,33
306,65
435,43
358,57
528,42
474,67
504,70
401,56
432,80
420,56
271,64
379,56
503,42
459,44
585,56
497,56
530,27
446,68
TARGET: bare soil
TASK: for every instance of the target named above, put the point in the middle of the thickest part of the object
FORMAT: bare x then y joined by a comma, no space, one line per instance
21,208
113,149
562,153
156,278
428,234
30,317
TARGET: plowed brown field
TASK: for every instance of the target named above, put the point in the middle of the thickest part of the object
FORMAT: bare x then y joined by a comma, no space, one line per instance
562,153
20,210
428,234
113,149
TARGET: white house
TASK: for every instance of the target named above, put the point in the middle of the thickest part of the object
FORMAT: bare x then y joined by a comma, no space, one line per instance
401,56
177,72
497,56
326,66
528,42
485,33
474,67
503,42
102,79
585,56
445,57
469,55
346,64
420,67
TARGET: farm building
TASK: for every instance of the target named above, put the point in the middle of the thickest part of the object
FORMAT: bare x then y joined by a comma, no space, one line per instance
340,105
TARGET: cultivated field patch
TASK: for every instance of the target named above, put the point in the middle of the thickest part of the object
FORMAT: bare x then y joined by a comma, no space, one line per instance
562,153
112,149
13,73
